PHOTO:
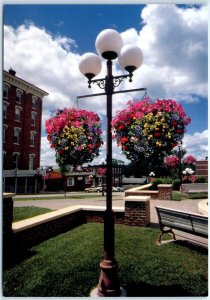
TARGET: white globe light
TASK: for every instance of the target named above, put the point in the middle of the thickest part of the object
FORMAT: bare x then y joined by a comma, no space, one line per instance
108,43
130,58
90,65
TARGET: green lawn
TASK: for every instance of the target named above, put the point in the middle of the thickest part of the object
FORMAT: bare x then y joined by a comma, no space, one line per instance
25,212
53,197
68,265
177,196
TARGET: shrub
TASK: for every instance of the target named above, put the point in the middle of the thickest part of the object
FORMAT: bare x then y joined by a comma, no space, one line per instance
176,184
200,179
187,180
155,183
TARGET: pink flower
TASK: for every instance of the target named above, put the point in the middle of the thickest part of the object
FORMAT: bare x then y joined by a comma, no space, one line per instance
172,161
190,159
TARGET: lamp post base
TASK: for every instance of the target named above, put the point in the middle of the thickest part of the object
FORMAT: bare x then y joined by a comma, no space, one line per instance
108,282
94,293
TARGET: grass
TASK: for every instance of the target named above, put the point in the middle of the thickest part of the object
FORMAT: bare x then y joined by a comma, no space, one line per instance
21,213
68,265
177,196
51,197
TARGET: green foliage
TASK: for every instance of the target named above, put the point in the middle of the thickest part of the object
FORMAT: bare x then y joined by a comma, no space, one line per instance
176,184
200,179
155,183
68,265
162,180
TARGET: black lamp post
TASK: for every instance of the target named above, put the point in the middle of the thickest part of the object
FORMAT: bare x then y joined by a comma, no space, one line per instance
109,45
181,153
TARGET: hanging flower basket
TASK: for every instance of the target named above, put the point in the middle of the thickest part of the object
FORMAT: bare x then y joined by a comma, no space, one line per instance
147,129
172,161
75,135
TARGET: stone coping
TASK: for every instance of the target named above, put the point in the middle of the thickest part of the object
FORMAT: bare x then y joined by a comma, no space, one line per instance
8,195
203,207
37,220
140,188
164,185
137,198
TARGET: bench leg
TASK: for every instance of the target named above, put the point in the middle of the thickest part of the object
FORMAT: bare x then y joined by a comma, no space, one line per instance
165,231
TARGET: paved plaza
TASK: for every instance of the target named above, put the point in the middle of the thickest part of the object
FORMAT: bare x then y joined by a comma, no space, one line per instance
118,201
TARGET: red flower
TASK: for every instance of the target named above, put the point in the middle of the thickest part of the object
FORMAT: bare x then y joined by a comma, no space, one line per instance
124,140
157,134
124,148
179,131
121,127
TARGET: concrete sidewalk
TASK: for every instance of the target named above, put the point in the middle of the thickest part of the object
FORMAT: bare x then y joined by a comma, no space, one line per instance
185,205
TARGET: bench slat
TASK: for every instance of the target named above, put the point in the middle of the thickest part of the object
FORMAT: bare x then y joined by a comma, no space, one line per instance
184,221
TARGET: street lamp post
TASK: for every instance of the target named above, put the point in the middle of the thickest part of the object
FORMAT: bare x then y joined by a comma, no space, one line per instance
181,153
109,45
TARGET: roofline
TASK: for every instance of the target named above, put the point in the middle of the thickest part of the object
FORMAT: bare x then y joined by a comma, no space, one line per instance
25,85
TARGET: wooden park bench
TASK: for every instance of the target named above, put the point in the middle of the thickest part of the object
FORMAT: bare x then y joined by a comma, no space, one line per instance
192,223
194,187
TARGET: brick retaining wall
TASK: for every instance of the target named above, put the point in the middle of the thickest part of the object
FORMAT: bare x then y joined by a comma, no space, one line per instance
137,211
164,191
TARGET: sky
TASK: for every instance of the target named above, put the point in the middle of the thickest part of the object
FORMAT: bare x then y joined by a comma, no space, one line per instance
44,44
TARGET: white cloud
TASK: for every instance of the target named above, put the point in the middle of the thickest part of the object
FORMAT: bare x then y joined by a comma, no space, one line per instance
174,44
197,144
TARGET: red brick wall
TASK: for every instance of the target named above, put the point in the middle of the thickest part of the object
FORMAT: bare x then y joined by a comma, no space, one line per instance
164,191
137,213
24,147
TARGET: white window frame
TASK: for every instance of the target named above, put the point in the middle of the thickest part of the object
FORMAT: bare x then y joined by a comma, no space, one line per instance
32,138
31,161
5,107
6,90
18,95
70,181
87,180
34,102
33,118
4,132
16,135
17,113
15,156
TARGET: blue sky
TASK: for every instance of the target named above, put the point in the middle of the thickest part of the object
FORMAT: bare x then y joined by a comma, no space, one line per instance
43,43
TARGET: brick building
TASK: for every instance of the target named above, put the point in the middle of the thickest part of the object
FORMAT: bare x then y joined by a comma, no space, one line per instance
201,168
83,177
22,113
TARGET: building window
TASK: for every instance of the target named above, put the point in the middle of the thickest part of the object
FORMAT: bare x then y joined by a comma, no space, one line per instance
15,160
18,96
34,100
87,180
32,138
4,133
4,159
17,113
5,106
5,90
33,118
70,181
16,135
31,161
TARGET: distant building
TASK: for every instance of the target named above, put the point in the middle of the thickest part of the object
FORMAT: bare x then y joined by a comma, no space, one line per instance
83,177
201,168
22,113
